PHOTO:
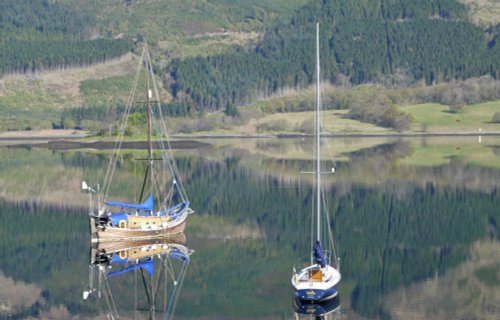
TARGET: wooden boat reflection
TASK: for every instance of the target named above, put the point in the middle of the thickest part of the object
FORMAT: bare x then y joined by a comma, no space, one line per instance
157,265
326,309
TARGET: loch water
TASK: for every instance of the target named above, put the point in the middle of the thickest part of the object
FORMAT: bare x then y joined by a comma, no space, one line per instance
416,224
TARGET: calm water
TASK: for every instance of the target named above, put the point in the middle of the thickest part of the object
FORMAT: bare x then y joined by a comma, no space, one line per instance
416,224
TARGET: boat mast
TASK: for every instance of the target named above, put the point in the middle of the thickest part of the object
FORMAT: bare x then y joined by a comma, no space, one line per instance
150,125
318,151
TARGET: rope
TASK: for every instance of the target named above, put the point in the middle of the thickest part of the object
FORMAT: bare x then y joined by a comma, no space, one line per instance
165,284
116,151
312,226
178,287
330,234
326,142
135,292
161,127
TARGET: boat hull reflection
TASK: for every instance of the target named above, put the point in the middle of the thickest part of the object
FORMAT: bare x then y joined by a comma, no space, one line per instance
155,269
318,309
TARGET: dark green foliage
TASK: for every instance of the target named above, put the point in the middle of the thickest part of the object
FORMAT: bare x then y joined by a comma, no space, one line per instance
178,109
112,114
40,235
430,40
231,110
43,18
36,35
32,56
89,113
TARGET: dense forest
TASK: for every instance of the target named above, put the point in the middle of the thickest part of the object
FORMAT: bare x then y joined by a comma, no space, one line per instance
31,56
430,40
36,35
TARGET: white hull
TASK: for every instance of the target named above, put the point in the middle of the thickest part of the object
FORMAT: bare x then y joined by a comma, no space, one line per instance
314,283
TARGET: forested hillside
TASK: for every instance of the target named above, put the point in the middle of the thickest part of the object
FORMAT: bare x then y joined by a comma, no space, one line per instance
220,54
37,35
363,40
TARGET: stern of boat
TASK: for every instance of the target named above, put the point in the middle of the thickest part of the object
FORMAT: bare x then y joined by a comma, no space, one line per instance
314,283
93,230
316,294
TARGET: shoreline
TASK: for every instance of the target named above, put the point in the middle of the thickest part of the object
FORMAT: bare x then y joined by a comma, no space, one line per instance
72,139
63,144
43,135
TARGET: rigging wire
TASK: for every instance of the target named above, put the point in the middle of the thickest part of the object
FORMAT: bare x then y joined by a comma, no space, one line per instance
135,293
160,127
329,233
121,132
163,130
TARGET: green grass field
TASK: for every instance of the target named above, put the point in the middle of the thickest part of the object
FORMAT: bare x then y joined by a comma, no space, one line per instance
437,118
114,90
436,151
483,12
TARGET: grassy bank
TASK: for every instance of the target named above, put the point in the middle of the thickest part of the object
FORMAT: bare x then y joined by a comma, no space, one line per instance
432,117
429,119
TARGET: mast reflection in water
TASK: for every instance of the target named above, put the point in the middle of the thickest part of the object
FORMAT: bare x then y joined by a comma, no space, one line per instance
138,279
318,310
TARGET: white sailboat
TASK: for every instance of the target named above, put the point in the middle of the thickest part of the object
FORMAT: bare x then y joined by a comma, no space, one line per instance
318,281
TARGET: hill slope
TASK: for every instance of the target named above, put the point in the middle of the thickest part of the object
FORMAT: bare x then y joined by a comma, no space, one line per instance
431,40
228,53
46,35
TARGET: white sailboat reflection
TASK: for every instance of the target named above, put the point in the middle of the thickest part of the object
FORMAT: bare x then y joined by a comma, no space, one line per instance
317,310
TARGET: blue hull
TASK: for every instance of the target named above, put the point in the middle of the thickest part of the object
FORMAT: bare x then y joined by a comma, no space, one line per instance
315,294
316,308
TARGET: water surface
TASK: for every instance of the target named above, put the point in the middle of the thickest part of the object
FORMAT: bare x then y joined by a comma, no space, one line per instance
415,224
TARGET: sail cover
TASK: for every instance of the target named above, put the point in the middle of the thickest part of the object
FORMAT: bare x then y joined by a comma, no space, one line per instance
146,205
147,265
319,255
179,255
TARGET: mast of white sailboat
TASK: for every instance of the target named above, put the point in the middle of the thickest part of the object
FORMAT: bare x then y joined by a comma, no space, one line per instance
318,151
150,125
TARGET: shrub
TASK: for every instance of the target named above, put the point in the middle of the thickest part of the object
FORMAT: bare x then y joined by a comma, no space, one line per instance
231,110
274,125
496,118
456,108
379,110
307,126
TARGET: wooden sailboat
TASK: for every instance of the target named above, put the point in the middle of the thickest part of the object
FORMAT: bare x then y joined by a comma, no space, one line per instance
318,281
161,207
158,266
